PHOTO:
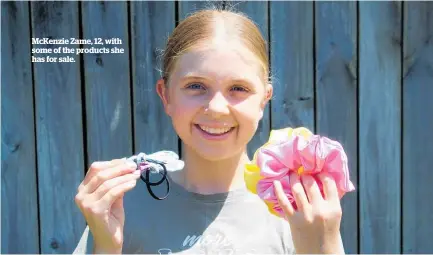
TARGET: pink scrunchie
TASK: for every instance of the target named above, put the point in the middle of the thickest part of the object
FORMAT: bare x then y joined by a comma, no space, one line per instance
304,154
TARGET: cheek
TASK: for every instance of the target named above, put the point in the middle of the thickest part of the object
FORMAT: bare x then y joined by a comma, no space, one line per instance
183,110
251,109
249,113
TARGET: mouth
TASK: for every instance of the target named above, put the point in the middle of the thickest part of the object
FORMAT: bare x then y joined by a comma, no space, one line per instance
214,133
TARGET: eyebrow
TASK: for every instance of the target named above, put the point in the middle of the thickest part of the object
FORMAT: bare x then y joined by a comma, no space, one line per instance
191,76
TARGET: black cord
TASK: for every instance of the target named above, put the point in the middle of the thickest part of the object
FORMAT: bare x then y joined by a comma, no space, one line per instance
146,179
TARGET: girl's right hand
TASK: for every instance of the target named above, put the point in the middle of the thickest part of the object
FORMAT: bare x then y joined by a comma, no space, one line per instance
100,199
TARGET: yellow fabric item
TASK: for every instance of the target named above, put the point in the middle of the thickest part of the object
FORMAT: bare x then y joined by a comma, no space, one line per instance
252,171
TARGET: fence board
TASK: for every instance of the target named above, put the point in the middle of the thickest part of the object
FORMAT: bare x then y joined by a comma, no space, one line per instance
107,82
336,90
292,63
258,12
18,152
380,126
151,23
186,8
418,126
59,130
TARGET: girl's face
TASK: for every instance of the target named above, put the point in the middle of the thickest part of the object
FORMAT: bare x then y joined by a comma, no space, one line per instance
215,97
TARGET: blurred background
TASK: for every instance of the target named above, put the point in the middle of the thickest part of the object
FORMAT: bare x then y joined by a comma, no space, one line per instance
358,72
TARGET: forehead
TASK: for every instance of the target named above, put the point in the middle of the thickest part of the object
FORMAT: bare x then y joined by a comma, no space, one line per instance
220,61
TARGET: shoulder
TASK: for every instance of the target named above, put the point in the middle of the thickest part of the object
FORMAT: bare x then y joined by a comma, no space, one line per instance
282,227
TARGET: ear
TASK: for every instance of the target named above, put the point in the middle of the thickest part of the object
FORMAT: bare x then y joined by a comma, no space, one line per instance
162,90
269,90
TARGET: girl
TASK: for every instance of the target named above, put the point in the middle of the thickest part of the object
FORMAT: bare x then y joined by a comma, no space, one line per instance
215,86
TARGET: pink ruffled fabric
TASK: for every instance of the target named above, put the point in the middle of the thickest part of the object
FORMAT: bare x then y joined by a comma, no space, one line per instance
315,154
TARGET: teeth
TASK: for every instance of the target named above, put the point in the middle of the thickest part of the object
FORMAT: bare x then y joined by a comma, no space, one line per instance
215,130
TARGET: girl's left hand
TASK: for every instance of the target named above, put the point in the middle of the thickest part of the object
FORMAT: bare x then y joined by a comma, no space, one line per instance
315,225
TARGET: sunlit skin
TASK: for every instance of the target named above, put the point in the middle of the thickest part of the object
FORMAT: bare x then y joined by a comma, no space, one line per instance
219,86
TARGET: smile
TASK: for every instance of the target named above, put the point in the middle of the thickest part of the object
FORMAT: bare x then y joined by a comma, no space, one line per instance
215,131
214,134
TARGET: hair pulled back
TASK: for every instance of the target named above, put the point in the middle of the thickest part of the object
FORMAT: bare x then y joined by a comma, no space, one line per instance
200,28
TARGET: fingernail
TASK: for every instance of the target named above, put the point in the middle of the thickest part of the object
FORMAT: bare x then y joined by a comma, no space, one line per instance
137,172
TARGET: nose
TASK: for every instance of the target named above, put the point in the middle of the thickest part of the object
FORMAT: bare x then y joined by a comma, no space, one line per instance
218,105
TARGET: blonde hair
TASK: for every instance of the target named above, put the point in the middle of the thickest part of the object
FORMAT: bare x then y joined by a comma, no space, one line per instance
200,27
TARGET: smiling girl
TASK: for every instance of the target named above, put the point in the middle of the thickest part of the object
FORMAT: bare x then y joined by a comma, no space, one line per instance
215,86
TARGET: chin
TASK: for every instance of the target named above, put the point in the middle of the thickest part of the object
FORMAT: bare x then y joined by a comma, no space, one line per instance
216,154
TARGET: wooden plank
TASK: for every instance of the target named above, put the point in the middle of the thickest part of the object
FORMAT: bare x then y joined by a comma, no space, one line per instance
18,150
107,82
292,64
257,11
59,130
186,8
336,90
418,126
151,23
380,126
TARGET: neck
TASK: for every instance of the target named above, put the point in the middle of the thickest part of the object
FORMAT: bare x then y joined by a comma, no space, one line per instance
210,177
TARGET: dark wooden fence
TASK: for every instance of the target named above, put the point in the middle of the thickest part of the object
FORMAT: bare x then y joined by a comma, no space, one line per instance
361,73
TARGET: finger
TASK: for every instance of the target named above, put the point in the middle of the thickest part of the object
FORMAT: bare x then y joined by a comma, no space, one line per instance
96,167
298,192
113,194
283,200
107,174
329,186
111,183
312,188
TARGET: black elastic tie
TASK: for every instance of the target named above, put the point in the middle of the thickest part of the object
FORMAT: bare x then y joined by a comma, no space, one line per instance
149,184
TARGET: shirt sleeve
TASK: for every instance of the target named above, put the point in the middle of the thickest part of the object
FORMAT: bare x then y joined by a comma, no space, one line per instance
85,245
289,247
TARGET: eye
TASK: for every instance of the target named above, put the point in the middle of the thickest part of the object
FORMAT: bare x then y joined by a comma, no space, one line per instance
195,86
239,89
